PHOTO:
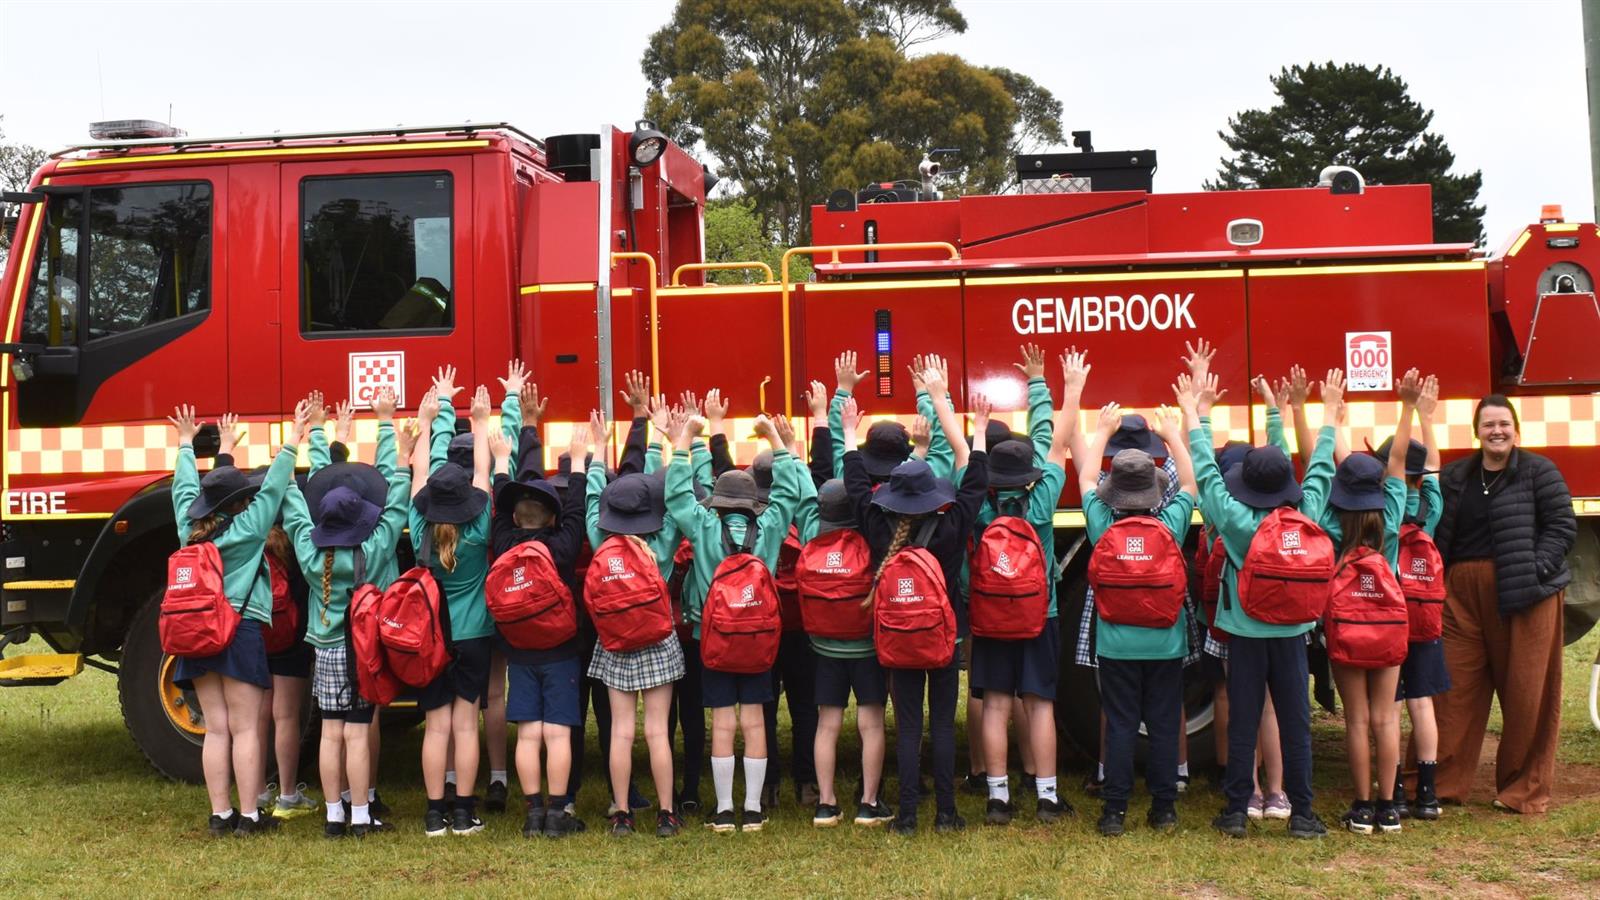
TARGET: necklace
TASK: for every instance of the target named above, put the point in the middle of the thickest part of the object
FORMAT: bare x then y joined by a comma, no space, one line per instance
1491,482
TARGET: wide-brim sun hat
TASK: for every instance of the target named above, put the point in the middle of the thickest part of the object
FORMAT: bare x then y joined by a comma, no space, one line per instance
512,492
1264,479
736,491
914,490
344,519
888,444
1357,484
1134,433
1134,482
835,510
220,487
1416,456
449,497
633,504
1011,465
365,480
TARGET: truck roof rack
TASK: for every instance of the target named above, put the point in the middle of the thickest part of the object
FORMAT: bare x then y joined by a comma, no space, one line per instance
397,131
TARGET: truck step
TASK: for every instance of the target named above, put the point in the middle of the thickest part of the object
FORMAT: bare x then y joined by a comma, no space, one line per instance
39,669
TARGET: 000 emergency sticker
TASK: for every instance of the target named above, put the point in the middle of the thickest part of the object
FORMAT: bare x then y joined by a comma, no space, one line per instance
1368,361
371,371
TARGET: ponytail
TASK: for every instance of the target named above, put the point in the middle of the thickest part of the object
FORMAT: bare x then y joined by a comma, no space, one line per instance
327,582
445,537
902,538
278,545
201,529
1360,528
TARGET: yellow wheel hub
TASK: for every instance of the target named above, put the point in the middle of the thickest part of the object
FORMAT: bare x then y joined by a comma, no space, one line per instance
181,707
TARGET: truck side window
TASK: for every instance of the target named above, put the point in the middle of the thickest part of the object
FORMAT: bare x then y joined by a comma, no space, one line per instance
375,253
51,317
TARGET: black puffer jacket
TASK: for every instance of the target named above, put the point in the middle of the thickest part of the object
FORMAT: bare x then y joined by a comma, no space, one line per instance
1531,521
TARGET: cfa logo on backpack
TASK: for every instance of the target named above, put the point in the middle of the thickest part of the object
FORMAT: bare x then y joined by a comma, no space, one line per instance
1291,540
1002,564
834,560
615,566
748,594
1369,582
1133,545
907,585
1419,566
185,575
519,574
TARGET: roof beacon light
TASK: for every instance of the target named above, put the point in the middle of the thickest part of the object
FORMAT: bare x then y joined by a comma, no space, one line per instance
132,129
1550,214
646,144
1244,232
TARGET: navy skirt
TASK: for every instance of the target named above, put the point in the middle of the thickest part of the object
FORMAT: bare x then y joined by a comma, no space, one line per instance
244,660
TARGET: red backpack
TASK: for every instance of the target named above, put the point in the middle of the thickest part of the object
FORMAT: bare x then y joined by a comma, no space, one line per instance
1138,574
1210,557
626,596
914,625
1421,576
1284,580
411,628
1009,594
833,578
530,604
374,681
788,588
1366,622
196,618
285,628
682,566
740,624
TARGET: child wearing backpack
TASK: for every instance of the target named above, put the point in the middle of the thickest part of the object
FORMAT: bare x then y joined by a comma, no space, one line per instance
530,595
226,510
733,602
450,534
1268,607
344,528
1016,643
1366,623
637,654
918,526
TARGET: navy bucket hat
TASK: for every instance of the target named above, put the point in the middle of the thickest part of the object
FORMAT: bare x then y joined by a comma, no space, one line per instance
633,504
449,497
914,490
1357,484
1264,479
343,519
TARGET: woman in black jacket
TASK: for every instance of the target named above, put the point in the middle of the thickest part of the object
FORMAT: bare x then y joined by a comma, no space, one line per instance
1507,528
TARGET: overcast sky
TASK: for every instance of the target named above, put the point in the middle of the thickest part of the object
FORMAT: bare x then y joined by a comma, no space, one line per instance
1505,79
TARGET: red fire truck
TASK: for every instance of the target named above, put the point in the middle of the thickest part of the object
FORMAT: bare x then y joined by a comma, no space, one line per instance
239,274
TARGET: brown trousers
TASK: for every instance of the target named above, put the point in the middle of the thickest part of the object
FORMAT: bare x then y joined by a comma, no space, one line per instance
1517,659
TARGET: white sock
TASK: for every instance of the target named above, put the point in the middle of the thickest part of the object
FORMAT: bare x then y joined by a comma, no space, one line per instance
345,796
336,813
449,776
290,797
722,780
1046,787
223,813
497,775
372,794
755,778
1183,770
1102,772
253,816
360,816
1000,788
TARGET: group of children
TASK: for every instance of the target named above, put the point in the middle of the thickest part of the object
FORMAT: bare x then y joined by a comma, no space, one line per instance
859,571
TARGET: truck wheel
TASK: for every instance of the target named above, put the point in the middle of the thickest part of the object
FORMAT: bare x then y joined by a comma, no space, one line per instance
164,721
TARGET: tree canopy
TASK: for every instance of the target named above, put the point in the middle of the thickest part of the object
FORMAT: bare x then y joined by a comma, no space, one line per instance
17,165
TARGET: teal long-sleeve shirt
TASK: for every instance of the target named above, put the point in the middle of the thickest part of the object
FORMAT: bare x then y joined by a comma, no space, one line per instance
1038,505
941,459
663,544
703,527
1236,524
1114,641
463,586
242,543
1430,489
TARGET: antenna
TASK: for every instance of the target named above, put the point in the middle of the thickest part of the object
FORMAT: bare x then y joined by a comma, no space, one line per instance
101,73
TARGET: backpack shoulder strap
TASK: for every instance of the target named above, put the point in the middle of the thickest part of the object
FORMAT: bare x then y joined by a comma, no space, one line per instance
360,564
925,533
731,546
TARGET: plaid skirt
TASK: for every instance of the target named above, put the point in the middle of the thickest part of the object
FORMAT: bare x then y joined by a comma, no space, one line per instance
333,681
638,670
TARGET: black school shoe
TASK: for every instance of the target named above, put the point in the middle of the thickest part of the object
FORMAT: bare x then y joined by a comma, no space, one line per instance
947,822
752,819
376,826
464,822
1162,820
1111,823
1232,824
723,822
223,826
905,826
871,814
976,784
1358,819
826,816
248,827
533,823
1427,807
494,799
1307,826
1388,820
380,809
1401,808
434,824
686,805
334,830
667,824
621,823
997,812
559,823
1051,811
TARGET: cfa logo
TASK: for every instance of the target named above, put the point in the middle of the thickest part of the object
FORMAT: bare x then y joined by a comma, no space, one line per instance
615,566
371,371
517,574
1369,582
1003,565
907,586
185,575
1419,566
748,594
1134,545
835,558
1291,540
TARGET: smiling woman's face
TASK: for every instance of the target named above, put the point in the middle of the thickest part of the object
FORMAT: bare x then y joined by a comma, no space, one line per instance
1497,430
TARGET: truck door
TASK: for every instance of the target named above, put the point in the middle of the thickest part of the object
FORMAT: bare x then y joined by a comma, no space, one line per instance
377,277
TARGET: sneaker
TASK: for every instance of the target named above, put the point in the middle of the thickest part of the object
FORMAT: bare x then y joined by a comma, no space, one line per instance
494,799
299,806
826,816
1183,784
1307,826
808,795
264,798
1164,821
1388,820
1093,784
379,809
1426,808
1276,806
621,823
562,822
1111,823
464,822
1358,819
976,783
873,814
1401,808
372,827
688,806
533,823
333,830
947,822
752,819
905,826
1505,807
997,812
222,826
434,824
637,800
667,823
1052,811
723,822
248,827
1256,807
1235,824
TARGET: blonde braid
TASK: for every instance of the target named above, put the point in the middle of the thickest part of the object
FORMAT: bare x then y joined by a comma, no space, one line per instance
902,537
327,582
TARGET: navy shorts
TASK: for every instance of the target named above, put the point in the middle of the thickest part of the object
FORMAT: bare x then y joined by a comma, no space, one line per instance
466,677
543,692
245,660
1423,674
720,689
838,678
1019,667
292,663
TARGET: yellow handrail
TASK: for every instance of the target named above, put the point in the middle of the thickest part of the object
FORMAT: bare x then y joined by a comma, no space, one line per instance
788,362
655,322
677,274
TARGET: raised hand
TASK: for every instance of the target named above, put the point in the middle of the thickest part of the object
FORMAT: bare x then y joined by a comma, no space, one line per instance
1299,386
1207,393
532,404
302,423
690,401
982,407
716,408
817,399
1280,389
600,433
1332,391
660,412
844,371
1264,388
344,416
1428,400
636,392
1110,420
1169,425
1185,393
405,441
1075,370
480,405
444,383
182,418
499,450
383,406
1032,364
917,367
516,377
428,407
319,409
850,416
1410,387
921,436
1198,359
934,378
229,434
785,432
693,425
764,429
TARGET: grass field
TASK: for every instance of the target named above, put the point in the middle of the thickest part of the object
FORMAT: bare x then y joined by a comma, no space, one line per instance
81,814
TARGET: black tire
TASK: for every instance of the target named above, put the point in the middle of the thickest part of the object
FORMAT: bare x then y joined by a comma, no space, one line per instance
173,751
